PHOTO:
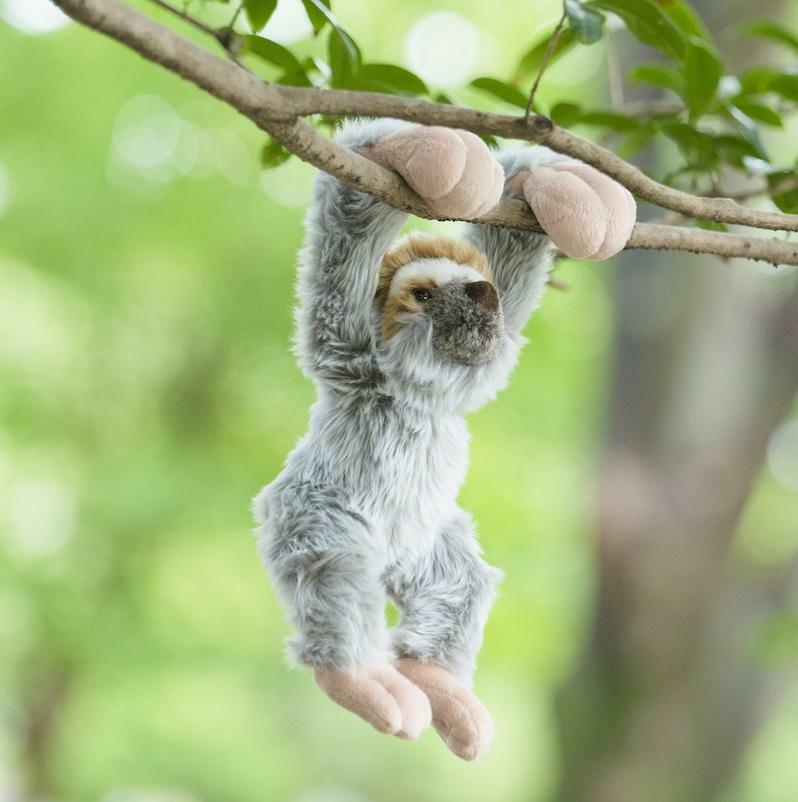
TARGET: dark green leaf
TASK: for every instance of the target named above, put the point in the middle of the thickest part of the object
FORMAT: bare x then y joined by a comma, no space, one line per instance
565,114
767,29
319,14
489,140
749,130
759,80
530,63
784,190
702,72
501,90
586,22
273,154
344,56
316,65
756,81
648,23
617,123
442,98
295,78
785,85
662,75
686,18
696,146
259,12
758,111
399,80
272,52
634,141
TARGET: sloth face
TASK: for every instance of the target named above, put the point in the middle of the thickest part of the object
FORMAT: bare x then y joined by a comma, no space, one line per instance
432,302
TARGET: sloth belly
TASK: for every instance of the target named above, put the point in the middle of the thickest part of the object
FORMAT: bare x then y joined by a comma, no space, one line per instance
414,488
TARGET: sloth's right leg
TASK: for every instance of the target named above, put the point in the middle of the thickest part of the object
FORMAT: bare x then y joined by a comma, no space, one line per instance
323,560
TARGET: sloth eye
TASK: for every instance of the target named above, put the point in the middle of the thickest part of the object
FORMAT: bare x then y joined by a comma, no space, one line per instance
421,295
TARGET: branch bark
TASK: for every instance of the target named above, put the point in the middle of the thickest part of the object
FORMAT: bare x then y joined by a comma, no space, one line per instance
278,111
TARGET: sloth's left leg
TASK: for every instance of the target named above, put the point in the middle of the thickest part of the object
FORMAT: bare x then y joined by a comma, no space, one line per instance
444,599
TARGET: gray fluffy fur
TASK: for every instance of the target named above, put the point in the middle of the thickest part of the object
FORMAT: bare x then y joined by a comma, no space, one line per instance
366,504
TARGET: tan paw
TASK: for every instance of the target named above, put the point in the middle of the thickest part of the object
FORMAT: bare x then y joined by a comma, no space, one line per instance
586,213
452,170
380,695
458,716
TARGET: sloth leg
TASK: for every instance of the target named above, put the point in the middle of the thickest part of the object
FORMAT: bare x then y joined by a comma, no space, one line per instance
445,599
327,570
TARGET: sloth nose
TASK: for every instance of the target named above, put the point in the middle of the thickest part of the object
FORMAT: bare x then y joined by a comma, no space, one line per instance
484,294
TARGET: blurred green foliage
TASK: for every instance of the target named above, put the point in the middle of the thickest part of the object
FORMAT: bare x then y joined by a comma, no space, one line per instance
147,391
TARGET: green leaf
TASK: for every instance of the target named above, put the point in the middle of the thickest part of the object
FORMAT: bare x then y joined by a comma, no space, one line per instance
702,72
273,154
344,56
649,24
272,52
786,200
501,90
397,80
747,126
319,14
767,29
759,80
662,75
586,22
756,81
696,146
634,142
565,114
295,78
686,18
618,123
785,85
531,61
259,12
311,64
758,111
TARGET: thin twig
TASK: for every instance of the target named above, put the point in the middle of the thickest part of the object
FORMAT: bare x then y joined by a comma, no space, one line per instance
555,37
224,36
238,11
186,17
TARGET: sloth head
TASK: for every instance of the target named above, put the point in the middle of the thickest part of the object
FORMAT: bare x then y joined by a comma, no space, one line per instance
435,299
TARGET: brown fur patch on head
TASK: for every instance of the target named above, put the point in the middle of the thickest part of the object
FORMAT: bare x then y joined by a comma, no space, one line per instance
415,248
424,246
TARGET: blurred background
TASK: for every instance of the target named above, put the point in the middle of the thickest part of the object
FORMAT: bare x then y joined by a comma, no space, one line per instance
638,481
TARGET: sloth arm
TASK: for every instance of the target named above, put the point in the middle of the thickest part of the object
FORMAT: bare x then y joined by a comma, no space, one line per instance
347,235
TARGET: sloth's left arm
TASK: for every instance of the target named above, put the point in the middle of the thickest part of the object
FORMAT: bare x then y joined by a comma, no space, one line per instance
585,214
520,260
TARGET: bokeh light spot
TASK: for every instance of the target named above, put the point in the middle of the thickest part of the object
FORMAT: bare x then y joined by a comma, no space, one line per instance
443,48
289,23
34,17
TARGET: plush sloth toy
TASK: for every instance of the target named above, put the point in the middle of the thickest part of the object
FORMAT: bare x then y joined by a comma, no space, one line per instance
401,339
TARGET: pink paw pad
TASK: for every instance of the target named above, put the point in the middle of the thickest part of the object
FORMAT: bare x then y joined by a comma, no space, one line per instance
586,213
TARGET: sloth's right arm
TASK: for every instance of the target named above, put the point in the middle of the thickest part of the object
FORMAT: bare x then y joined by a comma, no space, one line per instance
347,235
585,213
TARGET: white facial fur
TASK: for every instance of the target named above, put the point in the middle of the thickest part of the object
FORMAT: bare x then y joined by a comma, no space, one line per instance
440,270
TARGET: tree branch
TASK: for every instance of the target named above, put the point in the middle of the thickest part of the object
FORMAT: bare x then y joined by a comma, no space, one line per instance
277,109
